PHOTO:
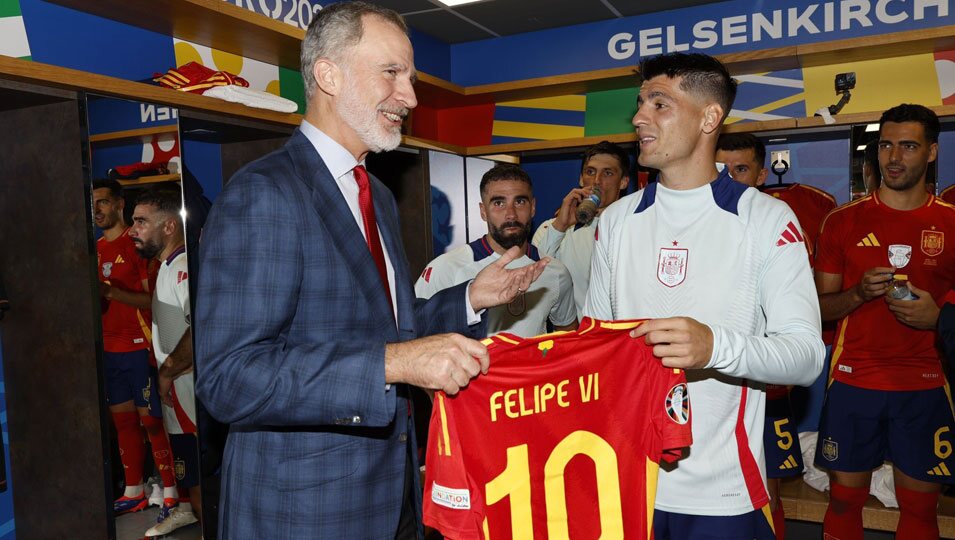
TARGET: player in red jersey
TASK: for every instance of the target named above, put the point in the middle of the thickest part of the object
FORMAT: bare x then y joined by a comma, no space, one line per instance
131,381
562,438
745,155
887,395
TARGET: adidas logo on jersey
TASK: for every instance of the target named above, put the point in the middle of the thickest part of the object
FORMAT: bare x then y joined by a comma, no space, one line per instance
940,470
790,463
869,241
119,259
790,235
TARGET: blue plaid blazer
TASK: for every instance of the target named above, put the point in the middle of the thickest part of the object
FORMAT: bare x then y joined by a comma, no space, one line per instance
291,323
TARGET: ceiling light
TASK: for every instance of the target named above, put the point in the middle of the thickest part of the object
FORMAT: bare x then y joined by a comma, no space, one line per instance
778,140
861,148
871,127
452,3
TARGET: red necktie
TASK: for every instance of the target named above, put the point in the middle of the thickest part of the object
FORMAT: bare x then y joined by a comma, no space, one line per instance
367,208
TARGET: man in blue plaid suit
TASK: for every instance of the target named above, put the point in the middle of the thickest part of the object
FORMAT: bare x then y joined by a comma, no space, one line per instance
305,343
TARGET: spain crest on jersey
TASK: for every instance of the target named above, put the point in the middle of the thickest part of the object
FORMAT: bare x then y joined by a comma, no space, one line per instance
678,404
933,242
900,255
671,267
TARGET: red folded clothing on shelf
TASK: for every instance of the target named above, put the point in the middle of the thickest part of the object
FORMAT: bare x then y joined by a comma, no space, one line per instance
197,78
130,172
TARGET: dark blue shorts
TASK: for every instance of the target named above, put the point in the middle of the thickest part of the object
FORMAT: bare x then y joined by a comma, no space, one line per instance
783,453
185,459
130,377
861,428
755,525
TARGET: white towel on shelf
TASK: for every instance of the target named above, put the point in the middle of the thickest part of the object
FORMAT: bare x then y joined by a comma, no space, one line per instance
252,98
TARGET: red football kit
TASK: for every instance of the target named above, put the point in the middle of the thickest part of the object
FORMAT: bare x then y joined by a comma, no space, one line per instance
811,205
873,350
561,439
125,328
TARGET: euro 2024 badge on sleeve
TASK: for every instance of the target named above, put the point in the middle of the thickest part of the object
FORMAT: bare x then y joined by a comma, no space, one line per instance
678,404
671,267
900,255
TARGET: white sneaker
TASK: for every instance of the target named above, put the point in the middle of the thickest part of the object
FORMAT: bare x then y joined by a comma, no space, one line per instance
155,496
177,518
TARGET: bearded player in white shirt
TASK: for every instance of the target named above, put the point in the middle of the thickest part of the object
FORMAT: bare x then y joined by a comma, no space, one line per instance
722,271
508,206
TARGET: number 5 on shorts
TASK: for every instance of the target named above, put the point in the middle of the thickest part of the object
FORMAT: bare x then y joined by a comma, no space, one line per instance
785,441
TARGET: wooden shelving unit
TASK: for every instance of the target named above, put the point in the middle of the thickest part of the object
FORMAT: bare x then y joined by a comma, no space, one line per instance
130,134
213,23
147,180
15,69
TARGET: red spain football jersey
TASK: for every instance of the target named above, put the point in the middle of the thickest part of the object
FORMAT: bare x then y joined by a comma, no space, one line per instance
561,439
948,194
873,349
811,205
125,328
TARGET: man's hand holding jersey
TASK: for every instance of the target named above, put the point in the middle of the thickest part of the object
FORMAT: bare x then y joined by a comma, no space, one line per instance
443,362
449,361
679,342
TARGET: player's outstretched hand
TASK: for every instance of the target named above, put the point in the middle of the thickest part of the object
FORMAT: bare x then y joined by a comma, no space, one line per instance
921,313
497,285
440,362
874,282
567,213
680,342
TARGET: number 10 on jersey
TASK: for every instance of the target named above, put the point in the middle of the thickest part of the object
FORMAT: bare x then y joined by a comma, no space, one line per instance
514,482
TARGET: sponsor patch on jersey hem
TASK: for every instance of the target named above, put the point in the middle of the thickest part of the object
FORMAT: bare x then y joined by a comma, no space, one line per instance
457,499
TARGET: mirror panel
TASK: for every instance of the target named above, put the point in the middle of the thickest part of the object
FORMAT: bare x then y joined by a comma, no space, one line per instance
145,308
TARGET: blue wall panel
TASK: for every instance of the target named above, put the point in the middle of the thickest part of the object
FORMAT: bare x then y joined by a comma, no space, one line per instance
73,39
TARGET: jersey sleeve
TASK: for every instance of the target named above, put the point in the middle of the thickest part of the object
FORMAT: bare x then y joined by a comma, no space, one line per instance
547,240
182,287
452,505
673,414
436,277
564,311
792,351
830,253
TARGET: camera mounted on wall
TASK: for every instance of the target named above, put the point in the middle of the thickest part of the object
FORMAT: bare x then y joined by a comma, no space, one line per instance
844,82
